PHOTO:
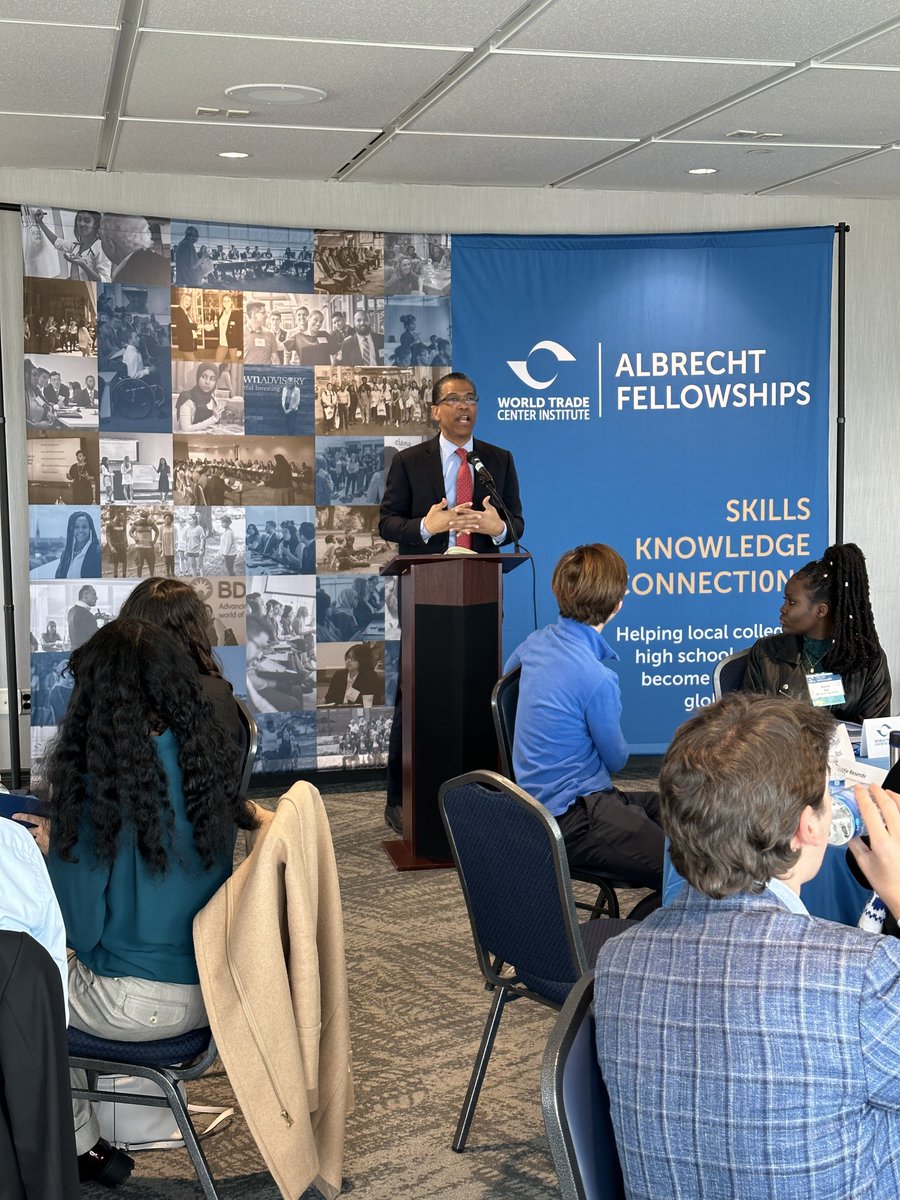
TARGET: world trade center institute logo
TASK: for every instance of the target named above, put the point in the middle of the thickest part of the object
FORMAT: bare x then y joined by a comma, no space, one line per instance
519,367
536,371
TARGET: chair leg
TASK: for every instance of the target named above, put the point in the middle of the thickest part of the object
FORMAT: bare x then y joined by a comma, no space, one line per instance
189,1134
606,904
478,1071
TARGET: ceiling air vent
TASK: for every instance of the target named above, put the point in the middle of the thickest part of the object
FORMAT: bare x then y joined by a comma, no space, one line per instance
204,111
752,135
237,114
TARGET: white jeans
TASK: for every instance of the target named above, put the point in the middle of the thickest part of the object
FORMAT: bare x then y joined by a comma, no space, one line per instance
127,1010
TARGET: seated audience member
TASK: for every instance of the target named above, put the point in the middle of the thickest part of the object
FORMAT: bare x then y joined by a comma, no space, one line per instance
568,734
176,607
749,1049
144,811
828,628
357,683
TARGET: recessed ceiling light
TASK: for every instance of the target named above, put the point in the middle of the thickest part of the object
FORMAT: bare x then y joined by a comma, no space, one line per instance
269,94
703,170
233,154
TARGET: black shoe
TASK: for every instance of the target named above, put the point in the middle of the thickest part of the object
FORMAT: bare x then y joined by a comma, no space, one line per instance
393,816
104,1164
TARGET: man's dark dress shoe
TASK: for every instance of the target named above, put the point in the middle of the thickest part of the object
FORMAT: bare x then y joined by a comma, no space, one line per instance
104,1164
393,816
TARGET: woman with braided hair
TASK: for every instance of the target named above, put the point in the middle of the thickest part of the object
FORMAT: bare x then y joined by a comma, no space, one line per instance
828,628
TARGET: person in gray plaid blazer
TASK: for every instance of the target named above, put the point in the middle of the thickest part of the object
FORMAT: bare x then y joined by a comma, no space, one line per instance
751,1051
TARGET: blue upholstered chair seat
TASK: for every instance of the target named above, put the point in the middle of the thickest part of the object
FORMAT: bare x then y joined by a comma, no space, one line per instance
163,1053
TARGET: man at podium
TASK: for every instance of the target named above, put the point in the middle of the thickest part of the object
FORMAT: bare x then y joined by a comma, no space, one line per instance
434,501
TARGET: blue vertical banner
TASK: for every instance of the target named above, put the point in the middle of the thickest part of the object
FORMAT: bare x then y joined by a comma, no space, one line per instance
668,395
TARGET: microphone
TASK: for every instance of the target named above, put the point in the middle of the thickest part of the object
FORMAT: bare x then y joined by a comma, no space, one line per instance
491,488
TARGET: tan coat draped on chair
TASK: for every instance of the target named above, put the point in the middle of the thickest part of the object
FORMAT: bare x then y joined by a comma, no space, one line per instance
270,952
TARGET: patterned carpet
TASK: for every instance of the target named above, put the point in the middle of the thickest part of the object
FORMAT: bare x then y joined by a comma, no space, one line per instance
417,1009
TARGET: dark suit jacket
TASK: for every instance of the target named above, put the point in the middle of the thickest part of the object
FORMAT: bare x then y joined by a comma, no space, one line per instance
183,329
350,355
53,398
82,625
415,482
144,266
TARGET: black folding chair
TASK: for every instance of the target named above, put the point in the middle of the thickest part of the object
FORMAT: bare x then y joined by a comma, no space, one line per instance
251,744
504,702
576,1104
729,674
512,866
166,1063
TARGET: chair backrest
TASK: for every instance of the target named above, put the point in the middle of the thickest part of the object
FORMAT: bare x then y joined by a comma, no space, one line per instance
515,878
729,673
504,702
252,743
576,1104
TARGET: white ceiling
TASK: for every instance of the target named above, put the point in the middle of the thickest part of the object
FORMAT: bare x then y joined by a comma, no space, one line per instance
552,93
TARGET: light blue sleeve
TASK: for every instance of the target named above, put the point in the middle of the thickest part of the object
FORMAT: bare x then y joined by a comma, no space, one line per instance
672,881
603,714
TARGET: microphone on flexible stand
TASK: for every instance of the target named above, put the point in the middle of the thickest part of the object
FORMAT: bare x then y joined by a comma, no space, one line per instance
491,488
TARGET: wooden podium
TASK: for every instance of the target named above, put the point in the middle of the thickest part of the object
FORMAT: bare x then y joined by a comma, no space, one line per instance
451,618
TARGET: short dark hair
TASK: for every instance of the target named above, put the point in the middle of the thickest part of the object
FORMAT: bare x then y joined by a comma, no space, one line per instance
733,785
451,378
589,582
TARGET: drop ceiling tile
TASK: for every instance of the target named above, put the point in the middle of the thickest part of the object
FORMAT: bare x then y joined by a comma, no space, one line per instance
767,29
852,107
664,166
485,161
98,12
425,22
194,150
876,178
47,68
66,143
882,51
366,85
512,93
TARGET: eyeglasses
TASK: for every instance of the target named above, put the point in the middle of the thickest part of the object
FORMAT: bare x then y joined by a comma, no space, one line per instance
456,400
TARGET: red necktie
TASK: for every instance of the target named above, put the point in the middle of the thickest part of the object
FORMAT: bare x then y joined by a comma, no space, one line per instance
464,494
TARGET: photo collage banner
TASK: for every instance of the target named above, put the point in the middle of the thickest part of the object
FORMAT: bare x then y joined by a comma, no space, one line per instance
220,403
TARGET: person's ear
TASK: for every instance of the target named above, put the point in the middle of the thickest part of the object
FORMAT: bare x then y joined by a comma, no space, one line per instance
812,829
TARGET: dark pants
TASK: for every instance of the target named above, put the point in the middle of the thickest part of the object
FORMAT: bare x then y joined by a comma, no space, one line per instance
37,1134
618,834
395,755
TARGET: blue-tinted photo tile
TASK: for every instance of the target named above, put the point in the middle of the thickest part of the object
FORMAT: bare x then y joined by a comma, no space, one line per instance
215,254
279,401
287,742
51,686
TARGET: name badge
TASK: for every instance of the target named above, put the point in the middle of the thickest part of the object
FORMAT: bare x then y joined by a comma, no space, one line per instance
825,689
259,341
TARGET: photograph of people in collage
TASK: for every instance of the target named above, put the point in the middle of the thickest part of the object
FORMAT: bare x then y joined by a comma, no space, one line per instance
213,254
134,358
347,541
136,469
353,737
416,264
281,644
244,470
381,403
349,470
221,403
279,401
281,540
349,263
63,470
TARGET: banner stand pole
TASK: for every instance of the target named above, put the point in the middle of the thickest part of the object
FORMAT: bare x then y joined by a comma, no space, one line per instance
9,608
842,230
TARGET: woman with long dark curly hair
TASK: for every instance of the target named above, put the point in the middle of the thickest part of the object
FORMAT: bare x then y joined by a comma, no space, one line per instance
176,607
828,628
143,790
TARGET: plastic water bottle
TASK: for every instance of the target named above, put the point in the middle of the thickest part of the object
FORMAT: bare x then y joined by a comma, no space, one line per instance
846,821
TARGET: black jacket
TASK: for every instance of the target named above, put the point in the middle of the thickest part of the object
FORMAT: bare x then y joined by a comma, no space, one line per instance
774,668
416,481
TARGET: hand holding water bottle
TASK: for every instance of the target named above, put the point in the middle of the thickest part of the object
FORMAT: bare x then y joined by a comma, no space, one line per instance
880,860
